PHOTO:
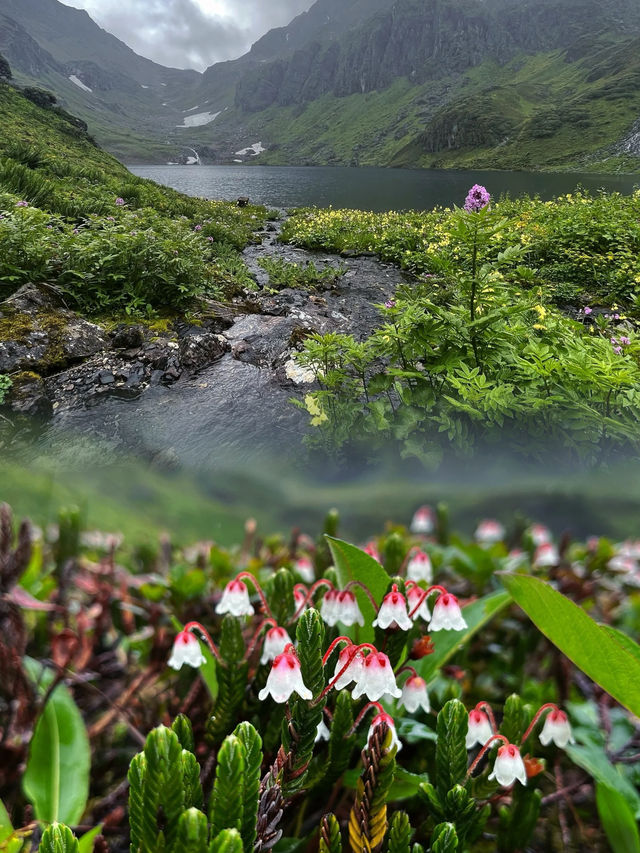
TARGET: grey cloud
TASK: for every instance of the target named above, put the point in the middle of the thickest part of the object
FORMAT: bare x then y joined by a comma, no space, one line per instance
181,33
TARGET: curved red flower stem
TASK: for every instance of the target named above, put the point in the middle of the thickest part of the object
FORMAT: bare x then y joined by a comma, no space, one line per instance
483,751
548,706
354,652
337,640
192,627
362,714
258,589
487,707
254,639
407,668
424,597
366,590
309,595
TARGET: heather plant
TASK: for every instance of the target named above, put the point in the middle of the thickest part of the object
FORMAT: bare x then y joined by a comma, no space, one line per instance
5,385
332,698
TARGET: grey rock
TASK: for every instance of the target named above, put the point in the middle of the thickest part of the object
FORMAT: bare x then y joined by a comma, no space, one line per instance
128,337
201,348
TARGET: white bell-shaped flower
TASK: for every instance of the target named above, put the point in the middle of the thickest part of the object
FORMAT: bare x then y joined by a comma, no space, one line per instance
489,531
539,534
416,596
304,567
393,612
385,718
284,679
419,567
235,600
275,642
447,614
377,679
509,766
186,649
546,555
329,607
414,695
557,729
423,521
479,730
353,671
348,610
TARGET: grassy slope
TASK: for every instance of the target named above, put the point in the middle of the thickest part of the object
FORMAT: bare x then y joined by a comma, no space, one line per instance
547,112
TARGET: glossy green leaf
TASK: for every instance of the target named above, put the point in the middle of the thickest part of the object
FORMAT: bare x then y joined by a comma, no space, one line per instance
56,779
623,639
85,844
617,820
590,646
352,564
447,643
593,759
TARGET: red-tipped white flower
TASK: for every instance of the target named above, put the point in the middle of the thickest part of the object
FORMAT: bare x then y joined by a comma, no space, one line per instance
299,598
284,679
489,531
447,614
393,611
546,555
329,607
275,642
422,521
479,730
376,679
235,600
186,649
304,567
415,595
622,563
515,558
509,766
348,610
414,695
372,550
353,672
419,567
539,534
385,718
557,729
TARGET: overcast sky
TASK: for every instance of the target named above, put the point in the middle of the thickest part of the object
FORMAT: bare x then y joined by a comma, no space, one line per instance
190,33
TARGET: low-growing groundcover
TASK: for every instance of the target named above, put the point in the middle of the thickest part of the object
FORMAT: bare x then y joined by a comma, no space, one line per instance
518,329
299,694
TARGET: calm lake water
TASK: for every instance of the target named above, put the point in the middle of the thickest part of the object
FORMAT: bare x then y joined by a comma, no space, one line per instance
368,188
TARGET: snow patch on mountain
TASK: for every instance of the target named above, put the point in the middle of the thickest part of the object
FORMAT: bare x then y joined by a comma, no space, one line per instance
79,83
199,119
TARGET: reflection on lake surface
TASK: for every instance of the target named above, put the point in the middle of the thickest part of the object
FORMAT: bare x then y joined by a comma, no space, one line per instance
368,188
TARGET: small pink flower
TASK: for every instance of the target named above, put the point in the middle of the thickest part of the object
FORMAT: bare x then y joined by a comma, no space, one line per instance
275,642
353,671
22,204
284,679
588,310
479,730
423,520
419,567
186,649
372,550
617,350
235,600
385,718
614,341
414,695
209,239
546,555
414,596
304,567
509,766
625,341
489,531
393,612
447,614
557,729
348,611
198,228
120,201
539,534
376,679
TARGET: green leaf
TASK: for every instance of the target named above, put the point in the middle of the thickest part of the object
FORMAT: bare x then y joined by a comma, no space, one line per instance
226,806
593,759
85,844
445,839
617,820
192,832
447,643
353,564
252,743
399,837
58,838
56,779
451,750
623,639
227,841
6,831
590,646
